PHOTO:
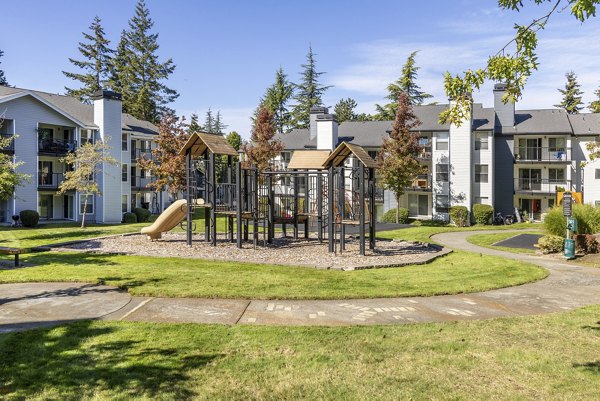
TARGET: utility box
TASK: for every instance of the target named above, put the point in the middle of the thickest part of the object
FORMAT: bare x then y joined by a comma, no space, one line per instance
569,249
572,224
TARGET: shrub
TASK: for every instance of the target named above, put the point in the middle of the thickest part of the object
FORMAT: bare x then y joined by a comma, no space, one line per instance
142,214
483,214
431,223
390,216
555,223
551,244
459,215
587,216
129,218
152,218
29,218
585,243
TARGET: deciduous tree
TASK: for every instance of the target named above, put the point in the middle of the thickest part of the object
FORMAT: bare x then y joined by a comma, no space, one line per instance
571,100
234,139
263,147
166,164
88,161
95,65
10,178
308,92
398,163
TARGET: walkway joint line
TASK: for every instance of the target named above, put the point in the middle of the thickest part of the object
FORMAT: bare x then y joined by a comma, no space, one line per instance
141,304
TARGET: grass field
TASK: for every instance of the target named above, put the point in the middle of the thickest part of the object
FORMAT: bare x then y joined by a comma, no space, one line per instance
551,357
488,241
176,277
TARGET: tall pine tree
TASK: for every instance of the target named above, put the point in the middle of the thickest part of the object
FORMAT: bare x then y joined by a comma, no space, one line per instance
571,101
138,73
3,80
407,84
95,64
276,99
308,92
344,110
595,104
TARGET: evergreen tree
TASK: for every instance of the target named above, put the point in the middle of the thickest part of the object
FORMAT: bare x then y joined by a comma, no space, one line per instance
595,105
571,101
308,92
95,64
407,84
194,127
139,74
398,156
344,110
209,122
276,99
219,126
3,80
234,139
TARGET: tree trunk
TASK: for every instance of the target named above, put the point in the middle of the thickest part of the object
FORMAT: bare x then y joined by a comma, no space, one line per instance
397,209
84,211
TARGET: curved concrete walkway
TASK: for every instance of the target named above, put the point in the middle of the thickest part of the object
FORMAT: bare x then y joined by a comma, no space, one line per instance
567,287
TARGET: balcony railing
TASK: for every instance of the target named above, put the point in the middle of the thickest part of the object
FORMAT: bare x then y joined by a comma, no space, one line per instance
56,146
421,183
10,147
538,185
140,154
49,181
541,154
139,183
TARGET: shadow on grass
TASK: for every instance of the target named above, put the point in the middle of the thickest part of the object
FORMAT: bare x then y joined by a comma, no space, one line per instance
79,361
76,233
593,367
74,259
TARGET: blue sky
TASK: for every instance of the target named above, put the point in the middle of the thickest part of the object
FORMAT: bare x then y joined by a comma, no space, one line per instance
227,52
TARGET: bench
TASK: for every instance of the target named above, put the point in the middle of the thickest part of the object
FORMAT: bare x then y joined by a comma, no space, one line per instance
13,251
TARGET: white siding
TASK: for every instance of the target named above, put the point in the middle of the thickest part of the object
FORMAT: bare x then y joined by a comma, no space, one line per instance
461,164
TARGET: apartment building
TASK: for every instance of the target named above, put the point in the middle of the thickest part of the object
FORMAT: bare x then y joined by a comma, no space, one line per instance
498,156
44,127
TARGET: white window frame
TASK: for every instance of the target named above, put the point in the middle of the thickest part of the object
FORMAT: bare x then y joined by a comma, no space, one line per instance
442,138
444,206
124,172
480,174
124,198
481,141
597,172
439,172
124,142
89,204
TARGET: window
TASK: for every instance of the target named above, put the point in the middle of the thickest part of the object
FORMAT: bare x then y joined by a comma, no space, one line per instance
556,175
441,172
124,203
550,203
556,144
87,136
598,173
481,173
481,141
441,203
124,172
597,203
142,173
481,200
89,207
124,142
441,142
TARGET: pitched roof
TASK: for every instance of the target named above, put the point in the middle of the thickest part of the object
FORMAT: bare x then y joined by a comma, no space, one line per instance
544,121
585,124
81,112
345,150
200,143
308,160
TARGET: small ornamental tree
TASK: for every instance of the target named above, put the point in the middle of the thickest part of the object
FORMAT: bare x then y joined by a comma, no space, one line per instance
88,161
263,147
166,164
398,163
10,178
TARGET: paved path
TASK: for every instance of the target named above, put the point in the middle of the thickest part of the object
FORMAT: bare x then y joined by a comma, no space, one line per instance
567,287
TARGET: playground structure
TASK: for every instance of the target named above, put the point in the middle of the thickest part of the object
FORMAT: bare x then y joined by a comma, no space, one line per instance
320,191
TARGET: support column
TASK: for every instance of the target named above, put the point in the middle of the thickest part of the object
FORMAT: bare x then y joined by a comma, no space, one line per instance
331,208
361,208
213,201
188,180
238,203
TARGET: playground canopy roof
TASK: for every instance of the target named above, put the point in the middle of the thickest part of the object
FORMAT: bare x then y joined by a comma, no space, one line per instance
308,160
345,150
199,143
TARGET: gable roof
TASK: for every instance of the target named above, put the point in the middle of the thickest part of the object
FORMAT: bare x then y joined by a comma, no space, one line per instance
585,124
199,143
80,113
308,160
345,150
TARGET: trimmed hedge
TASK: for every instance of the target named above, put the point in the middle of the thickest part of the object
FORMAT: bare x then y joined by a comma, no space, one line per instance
483,214
551,244
29,218
129,218
142,214
390,216
459,215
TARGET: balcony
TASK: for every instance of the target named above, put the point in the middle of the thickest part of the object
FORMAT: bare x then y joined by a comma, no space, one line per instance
10,147
56,147
525,154
422,183
139,183
540,186
49,181
137,154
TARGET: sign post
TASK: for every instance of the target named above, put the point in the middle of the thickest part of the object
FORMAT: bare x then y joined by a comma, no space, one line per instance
567,202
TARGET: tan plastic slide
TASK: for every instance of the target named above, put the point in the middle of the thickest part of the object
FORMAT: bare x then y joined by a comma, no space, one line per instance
167,220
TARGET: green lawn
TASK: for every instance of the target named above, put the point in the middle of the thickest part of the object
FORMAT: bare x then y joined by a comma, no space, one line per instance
487,241
551,357
458,272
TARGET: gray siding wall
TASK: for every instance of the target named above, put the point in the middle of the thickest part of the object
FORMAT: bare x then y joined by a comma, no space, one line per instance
503,175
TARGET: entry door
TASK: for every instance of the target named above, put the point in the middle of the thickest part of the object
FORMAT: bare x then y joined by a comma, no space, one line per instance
46,206
68,207
45,173
418,205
